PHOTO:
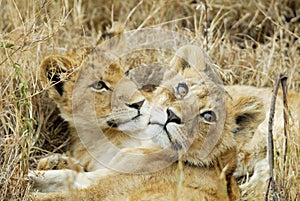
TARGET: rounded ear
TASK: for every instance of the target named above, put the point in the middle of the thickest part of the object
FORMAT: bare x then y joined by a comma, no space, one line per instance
248,113
116,29
192,56
54,70
188,56
113,41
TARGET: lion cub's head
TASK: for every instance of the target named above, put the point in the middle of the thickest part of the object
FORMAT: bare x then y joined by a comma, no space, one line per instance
192,113
90,88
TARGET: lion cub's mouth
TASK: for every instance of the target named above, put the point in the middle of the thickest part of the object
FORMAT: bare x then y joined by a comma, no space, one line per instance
175,144
114,124
119,117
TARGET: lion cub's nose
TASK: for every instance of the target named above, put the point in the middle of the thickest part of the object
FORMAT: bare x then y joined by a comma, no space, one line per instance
172,117
136,105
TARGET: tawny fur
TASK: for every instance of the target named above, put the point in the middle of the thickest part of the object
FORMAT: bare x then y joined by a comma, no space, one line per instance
63,72
205,175
252,155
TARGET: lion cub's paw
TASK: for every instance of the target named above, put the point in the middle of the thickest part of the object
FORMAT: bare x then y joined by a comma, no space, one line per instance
59,162
52,180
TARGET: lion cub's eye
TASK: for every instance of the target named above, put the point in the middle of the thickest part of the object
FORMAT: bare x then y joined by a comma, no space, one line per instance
99,85
209,116
182,89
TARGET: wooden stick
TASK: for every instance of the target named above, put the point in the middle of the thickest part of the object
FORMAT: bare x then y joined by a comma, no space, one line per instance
271,183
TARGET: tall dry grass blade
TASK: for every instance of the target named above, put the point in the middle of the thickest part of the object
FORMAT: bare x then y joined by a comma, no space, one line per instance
284,85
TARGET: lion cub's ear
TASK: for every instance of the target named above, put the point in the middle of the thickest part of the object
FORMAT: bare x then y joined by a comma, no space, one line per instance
54,70
191,60
187,60
248,113
189,56
117,29
113,41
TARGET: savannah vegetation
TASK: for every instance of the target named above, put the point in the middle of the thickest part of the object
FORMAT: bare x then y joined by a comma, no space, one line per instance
250,41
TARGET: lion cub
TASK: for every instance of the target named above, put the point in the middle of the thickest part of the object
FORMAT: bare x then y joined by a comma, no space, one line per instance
196,125
85,90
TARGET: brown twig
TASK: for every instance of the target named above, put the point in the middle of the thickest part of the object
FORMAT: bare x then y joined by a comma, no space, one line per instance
268,189
285,115
271,183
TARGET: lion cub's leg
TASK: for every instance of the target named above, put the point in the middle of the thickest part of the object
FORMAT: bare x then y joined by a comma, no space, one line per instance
59,162
66,179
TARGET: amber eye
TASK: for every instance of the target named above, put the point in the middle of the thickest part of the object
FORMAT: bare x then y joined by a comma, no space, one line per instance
182,89
209,116
99,85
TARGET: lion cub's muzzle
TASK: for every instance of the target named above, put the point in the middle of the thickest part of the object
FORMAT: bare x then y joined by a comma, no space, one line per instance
137,106
113,123
172,126
172,118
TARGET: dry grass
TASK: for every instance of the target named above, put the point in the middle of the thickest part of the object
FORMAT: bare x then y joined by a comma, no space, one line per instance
251,41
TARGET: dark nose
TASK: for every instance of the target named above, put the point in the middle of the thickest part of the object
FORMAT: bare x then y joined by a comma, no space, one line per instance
172,117
136,105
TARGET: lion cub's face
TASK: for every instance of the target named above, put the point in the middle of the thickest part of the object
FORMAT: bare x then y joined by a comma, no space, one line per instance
188,115
94,91
192,114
